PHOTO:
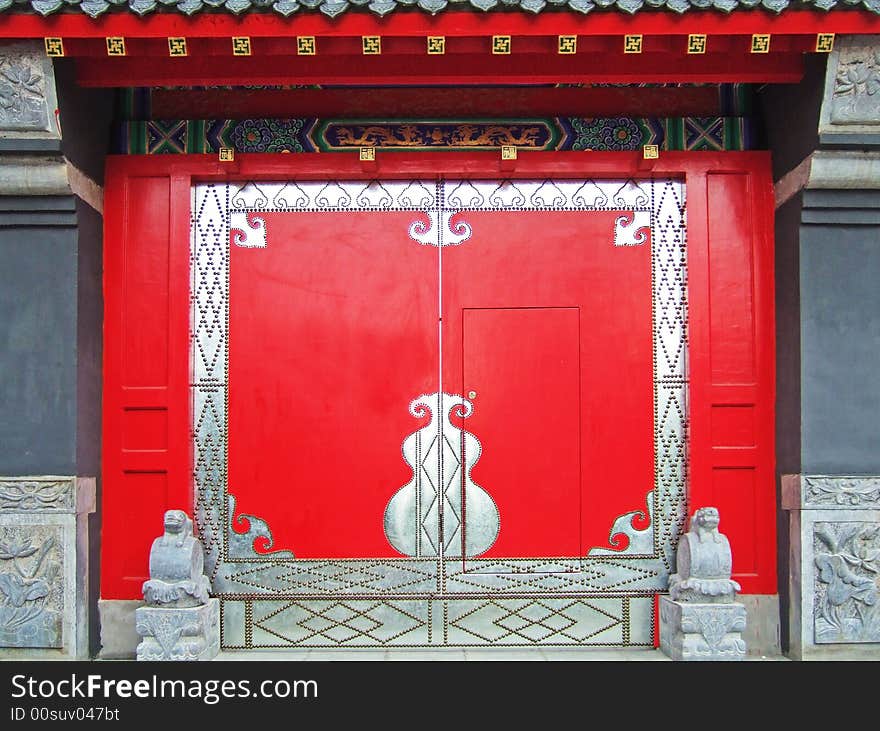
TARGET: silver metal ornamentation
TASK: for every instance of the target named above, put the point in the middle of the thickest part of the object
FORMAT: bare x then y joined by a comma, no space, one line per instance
245,531
441,456
248,232
630,230
440,231
639,541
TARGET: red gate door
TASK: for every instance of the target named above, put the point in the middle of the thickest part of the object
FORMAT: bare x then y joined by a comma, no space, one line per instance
332,332
395,387
547,330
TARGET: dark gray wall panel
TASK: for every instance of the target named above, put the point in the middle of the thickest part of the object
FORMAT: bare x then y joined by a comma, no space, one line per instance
790,113
90,304
86,116
840,347
38,350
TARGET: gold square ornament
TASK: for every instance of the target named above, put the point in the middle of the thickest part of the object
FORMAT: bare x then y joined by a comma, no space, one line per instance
241,46
177,47
367,154
567,44
824,42
650,152
501,45
371,45
306,46
115,46
761,43
696,43
54,46
508,152
226,154
632,44
436,45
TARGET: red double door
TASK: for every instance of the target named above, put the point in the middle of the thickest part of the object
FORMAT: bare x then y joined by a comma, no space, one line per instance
536,320
344,320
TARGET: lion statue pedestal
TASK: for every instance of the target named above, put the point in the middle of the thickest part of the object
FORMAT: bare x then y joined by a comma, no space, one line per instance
180,620
699,619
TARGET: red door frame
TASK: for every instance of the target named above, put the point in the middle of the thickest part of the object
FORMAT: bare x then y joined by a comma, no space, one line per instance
144,474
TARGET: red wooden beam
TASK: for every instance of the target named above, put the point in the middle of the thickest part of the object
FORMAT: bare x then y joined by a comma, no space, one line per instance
416,46
451,23
436,102
459,69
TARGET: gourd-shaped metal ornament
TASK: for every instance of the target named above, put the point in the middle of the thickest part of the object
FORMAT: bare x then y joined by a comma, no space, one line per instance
441,503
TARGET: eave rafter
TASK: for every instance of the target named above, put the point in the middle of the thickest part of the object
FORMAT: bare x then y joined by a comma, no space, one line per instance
414,47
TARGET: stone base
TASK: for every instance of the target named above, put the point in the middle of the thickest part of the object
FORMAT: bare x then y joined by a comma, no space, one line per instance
119,638
44,584
761,634
179,633
691,631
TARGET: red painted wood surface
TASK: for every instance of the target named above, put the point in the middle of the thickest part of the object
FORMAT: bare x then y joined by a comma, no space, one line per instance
333,331
732,363
146,386
436,102
147,463
550,324
477,67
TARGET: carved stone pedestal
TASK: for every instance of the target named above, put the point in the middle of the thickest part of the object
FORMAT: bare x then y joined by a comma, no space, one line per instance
179,633
44,566
691,631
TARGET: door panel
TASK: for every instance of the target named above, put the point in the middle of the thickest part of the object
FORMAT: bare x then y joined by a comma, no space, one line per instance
523,364
332,332
554,261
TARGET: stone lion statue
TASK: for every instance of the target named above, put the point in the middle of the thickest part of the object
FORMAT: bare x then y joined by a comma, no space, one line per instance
704,562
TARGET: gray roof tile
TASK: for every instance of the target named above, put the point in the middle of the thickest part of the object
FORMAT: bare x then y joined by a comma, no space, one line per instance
332,8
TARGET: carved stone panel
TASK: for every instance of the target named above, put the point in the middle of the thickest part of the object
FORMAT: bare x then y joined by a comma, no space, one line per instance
43,565
835,569
27,91
691,631
31,599
28,495
840,492
846,587
179,633
851,104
